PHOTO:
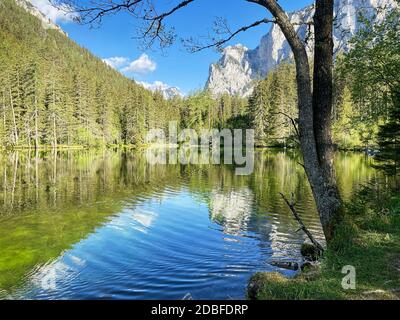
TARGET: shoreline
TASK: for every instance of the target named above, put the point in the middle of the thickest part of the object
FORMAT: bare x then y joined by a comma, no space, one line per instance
368,240
369,151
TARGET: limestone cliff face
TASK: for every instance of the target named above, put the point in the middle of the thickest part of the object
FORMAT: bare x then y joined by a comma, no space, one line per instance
46,22
238,67
233,74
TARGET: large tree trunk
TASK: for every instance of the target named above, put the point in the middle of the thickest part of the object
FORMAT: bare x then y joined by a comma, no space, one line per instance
314,108
330,202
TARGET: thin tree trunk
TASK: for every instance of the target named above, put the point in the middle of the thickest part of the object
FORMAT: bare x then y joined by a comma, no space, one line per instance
15,170
55,177
5,184
37,174
4,115
54,118
54,131
14,119
36,124
29,138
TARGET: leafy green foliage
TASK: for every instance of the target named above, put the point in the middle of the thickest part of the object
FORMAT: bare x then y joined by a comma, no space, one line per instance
200,110
370,72
388,157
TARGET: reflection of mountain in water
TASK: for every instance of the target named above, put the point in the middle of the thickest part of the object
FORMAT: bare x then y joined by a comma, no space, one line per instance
232,209
236,212
106,210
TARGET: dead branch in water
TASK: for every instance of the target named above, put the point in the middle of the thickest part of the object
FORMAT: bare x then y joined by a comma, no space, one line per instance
292,208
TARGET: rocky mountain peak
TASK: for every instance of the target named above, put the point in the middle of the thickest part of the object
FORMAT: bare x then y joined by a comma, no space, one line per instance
233,73
239,67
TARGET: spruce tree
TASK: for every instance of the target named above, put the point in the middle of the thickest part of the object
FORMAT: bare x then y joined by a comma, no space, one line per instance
388,158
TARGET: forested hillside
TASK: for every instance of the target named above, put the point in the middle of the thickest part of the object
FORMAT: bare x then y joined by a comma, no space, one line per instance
53,92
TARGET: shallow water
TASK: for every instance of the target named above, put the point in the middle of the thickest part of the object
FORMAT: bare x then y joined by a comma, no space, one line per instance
107,225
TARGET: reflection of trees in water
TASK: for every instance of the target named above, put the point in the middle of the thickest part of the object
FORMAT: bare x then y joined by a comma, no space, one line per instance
254,208
48,180
49,201
254,204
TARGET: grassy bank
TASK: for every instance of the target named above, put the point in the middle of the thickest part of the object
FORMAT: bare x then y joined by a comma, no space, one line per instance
368,239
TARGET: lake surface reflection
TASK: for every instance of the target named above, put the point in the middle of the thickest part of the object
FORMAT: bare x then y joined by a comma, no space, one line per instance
107,225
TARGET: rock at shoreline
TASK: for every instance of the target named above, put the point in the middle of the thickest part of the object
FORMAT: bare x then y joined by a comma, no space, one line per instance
290,265
260,281
309,252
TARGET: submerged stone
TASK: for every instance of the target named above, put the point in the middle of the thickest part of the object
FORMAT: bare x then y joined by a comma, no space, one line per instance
290,265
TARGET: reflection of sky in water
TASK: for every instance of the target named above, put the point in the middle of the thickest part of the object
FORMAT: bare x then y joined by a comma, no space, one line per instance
111,226
231,208
161,249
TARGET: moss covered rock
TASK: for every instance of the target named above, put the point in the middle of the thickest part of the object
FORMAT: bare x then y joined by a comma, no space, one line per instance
309,252
260,282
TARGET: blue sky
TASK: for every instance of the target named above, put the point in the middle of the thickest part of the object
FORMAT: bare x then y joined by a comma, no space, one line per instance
176,67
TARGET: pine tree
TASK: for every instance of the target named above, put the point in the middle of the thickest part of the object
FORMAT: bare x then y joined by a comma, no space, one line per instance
388,157
259,105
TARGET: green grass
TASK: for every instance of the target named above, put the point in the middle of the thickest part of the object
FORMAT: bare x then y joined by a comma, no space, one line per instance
368,239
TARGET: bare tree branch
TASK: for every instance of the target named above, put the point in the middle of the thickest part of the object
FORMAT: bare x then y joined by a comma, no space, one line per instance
292,120
292,208
196,47
153,28
96,10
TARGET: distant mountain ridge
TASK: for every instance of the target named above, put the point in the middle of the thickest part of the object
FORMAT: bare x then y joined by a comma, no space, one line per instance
239,66
167,91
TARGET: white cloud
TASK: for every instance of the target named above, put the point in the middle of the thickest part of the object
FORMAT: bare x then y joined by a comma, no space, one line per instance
142,65
55,14
116,62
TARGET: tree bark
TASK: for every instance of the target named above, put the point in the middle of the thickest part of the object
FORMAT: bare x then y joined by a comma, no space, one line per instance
15,128
54,132
314,108
36,117
322,110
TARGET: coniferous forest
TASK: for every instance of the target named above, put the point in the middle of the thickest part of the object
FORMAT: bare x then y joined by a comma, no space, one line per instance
55,93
